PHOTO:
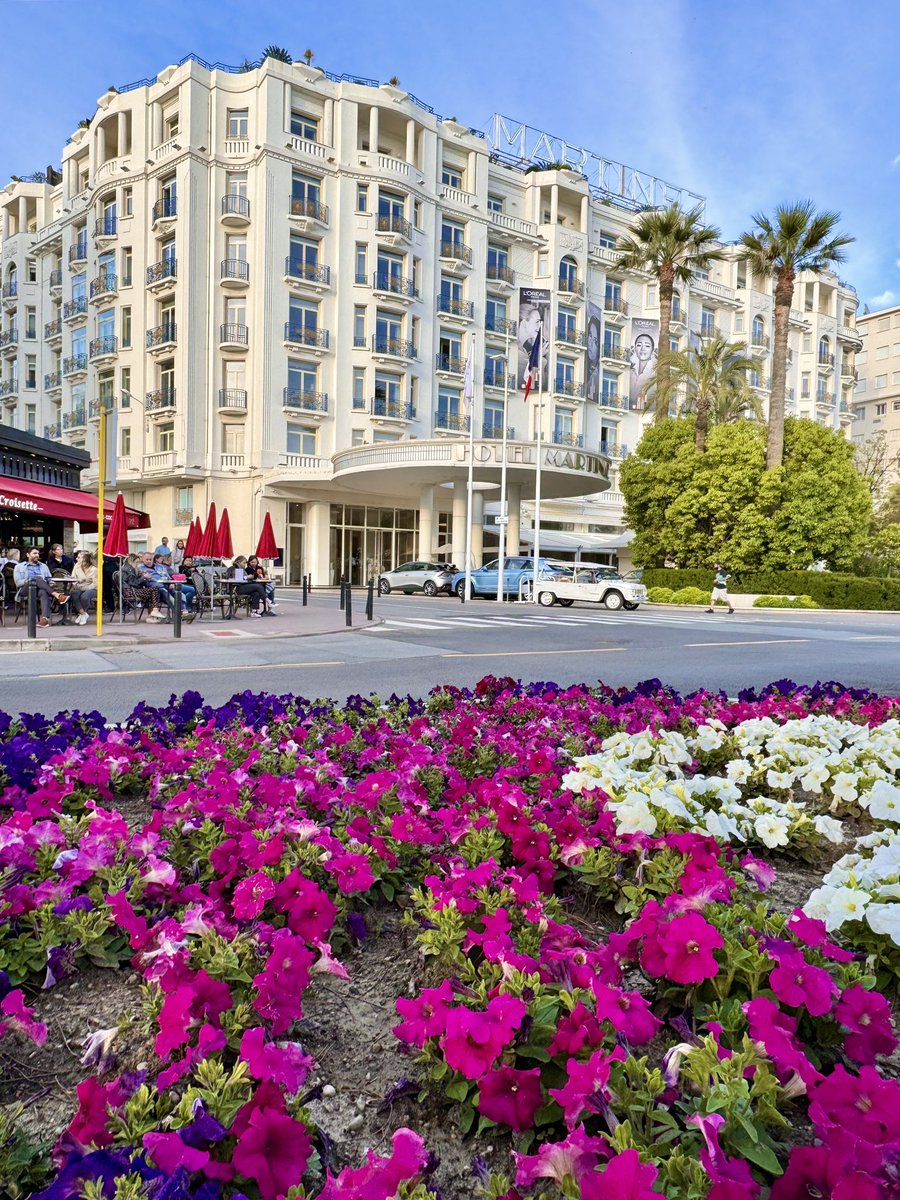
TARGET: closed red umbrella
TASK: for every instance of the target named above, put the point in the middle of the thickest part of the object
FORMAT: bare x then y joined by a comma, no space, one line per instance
207,547
224,548
193,538
265,547
116,540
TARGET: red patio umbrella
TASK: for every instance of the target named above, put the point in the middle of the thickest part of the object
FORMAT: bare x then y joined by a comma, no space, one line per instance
224,548
193,538
207,547
265,547
116,540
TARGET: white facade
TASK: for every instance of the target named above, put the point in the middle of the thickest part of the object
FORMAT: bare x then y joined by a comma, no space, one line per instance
275,277
877,396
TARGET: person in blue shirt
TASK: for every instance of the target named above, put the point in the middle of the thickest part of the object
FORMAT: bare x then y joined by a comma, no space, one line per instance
33,568
720,589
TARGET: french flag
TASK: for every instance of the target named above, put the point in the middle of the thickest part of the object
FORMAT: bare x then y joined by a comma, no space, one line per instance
533,360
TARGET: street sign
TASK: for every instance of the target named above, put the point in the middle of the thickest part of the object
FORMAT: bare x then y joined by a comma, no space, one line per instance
498,520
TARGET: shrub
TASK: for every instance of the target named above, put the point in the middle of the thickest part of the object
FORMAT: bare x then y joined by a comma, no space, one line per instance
829,589
785,602
690,595
660,595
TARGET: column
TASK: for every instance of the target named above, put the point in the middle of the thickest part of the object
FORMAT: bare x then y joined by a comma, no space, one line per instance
124,147
585,211
328,123
477,529
514,509
458,544
373,129
554,204
411,141
100,146
23,215
157,124
472,173
318,539
426,523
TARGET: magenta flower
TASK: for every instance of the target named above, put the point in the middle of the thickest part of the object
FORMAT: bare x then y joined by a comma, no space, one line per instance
380,1178
586,1087
775,1032
251,895
510,1097
729,1175
473,1040
628,1013
272,1149
576,1029
818,1171
20,1018
281,983
169,1153
687,944
352,872
796,982
868,1017
573,1158
865,1105
425,1016
310,911
284,1063
625,1178
89,1126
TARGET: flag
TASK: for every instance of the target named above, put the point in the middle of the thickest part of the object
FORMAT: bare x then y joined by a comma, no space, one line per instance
469,378
533,360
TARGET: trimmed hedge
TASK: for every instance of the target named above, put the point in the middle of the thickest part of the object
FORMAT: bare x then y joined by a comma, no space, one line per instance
784,602
828,589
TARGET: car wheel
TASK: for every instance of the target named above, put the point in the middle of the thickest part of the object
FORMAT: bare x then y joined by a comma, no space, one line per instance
546,599
461,590
565,603
384,588
613,600
630,605
429,587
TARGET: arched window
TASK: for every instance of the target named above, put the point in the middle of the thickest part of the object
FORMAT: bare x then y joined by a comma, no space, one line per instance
825,352
568,274
758,332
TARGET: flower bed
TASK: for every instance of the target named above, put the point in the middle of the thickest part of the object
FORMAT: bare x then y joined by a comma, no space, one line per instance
517,942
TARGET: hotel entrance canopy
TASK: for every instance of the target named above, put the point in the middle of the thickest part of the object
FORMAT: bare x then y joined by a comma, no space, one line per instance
30,498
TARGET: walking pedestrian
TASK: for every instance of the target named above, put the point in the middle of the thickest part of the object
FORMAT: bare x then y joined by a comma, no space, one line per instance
720,589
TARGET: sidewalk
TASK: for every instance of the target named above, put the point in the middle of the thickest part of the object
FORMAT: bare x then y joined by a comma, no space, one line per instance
322,616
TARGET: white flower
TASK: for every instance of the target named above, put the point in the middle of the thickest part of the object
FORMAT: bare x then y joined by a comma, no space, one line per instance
779,780
846,904
738,770
814,778
843,787
885,918
721,826
819,902
635,817
708,738
772,831
883,801
829,828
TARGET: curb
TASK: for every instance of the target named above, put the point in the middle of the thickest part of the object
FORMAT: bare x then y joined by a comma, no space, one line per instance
809,612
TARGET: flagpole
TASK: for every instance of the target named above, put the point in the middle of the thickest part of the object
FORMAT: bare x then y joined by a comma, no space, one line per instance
504,515
469,396
101,433
537,474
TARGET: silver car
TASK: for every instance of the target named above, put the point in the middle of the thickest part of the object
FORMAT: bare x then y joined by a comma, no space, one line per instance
410,577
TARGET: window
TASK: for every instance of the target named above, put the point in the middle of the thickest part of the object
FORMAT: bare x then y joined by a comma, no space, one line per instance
381,436
31,371
563,425
606,240
807,343
106,323
493,418
359,388
391,210
357,437
880,410
612,343
880,381
359,326
895,377
362,197
448,409
453,234
30,322
417,213
31,270
565,324
387,393
127,266
495,315
565,375
303,318
568,274
361,257
303,126
126,328
170,124
613,295
127,202
306,193
125,443
495,203
880,352
758,332
301,440
165,438
896,406
739,323
233,438
302,377
236,184
184,505
304,255
451,176
884,323
125,387
701,273
30,417
238,122
610,386
804,385
707,322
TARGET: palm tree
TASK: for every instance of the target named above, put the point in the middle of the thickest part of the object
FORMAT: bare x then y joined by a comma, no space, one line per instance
671,244
308,56
278,53
796,239
712,379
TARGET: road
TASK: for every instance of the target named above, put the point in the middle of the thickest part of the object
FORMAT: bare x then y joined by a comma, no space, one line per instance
424,642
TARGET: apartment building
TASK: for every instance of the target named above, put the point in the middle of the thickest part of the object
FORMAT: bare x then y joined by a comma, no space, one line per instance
877,396
272,280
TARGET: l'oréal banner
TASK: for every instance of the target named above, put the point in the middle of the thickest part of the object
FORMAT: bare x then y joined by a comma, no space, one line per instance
592,365
534,315
644,352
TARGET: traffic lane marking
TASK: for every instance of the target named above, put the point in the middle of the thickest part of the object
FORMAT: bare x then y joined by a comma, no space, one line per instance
753,642
534,653
187,670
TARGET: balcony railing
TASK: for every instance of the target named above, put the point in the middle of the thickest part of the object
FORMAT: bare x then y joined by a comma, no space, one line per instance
9,387
310,208
52,381
495,375
56,278
162,400
53,431
235,268
10,290
237,335
75,419
500,273
572,337
451,423
10,338
398,410
565,437
166,206
568,387
300,335
457,251
494,429
102,346
104,285
393,347
389,223
397,285
825,360
235,206
53,329
709,331
74,364
78,252
613,305
679,315
233,398
613,400
759,341
455,308
309,272
105,227
163,335
572,287
615,353
500,325
825,398
75,308
306,401
167,269
451,363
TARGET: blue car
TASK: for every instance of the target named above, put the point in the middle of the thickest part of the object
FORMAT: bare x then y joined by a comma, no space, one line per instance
515,569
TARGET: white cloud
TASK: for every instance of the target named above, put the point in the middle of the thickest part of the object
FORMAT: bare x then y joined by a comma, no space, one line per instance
895,161
885,299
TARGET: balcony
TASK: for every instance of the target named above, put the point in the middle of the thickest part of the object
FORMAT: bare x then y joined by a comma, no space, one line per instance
305,213
848,334
9,387
393,348
73,309
76,419
825,400
314,275
707,288
165,209
500,327
104,347
798,319
455,257
9,340
312,403
53,381
104,286
105,229
565,437
825,360
311,339
393,228
500,276
53,330
160,403
163,337
679,317
615,356
614,309
234,273
709,331
496,375
232,400
76,364
613,400
161,463
10,292
392,410
569,337
759,341
568,387
512,228
231,462
235,211
462,310
53,431
56,280
162,275
234,337
494,431
849,373
78,252
450,423
449,364
394,285
570,287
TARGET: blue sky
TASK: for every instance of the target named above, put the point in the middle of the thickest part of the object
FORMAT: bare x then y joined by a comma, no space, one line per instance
748,105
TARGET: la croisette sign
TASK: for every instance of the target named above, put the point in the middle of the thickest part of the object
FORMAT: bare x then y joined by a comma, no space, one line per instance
42,499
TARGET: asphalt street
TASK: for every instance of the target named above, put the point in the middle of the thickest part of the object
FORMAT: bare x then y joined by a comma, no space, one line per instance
421,642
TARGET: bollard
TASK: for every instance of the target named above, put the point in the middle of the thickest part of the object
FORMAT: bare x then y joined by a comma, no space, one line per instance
31,608
343,586
176,615
370,601
348,606
305,592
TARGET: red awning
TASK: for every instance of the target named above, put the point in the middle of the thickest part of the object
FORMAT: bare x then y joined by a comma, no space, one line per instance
42,500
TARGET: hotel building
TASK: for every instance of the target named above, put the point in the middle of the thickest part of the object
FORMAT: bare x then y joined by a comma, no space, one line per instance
877,396
272,279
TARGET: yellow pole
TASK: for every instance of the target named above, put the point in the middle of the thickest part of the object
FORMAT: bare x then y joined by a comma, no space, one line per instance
100,516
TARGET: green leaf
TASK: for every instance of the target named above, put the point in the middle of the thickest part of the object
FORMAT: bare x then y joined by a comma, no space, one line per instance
466,1118
530,1051
458,1090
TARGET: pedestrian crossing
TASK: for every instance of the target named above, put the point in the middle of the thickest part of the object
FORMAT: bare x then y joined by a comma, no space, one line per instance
543,619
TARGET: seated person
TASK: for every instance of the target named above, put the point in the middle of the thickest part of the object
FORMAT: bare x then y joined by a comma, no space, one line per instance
188,591
136,588
255,591
57,561
33,568
84,592
257,574
157,580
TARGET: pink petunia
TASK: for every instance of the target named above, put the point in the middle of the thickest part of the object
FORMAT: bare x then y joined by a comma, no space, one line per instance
687,944
867,1015
169,1153
628,1013
572,1158
799,984
624,1178
21,1018
90,1124
281,983
310,911
865,1104
272,1149
251,896
352,872
587,1086
510,1097
818,1171
729,1175
380,1178
474,1040
284,1063
775,1031
425,1016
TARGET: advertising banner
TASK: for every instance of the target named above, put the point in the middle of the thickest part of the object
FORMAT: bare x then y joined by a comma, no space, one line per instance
534,315
592,366
644,350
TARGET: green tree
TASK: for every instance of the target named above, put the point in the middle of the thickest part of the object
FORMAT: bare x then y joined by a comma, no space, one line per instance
278,53
724,505
710,380
796,239
671,244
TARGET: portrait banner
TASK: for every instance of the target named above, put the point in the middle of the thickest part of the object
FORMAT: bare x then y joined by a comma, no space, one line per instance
534,315
644,352
593,341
